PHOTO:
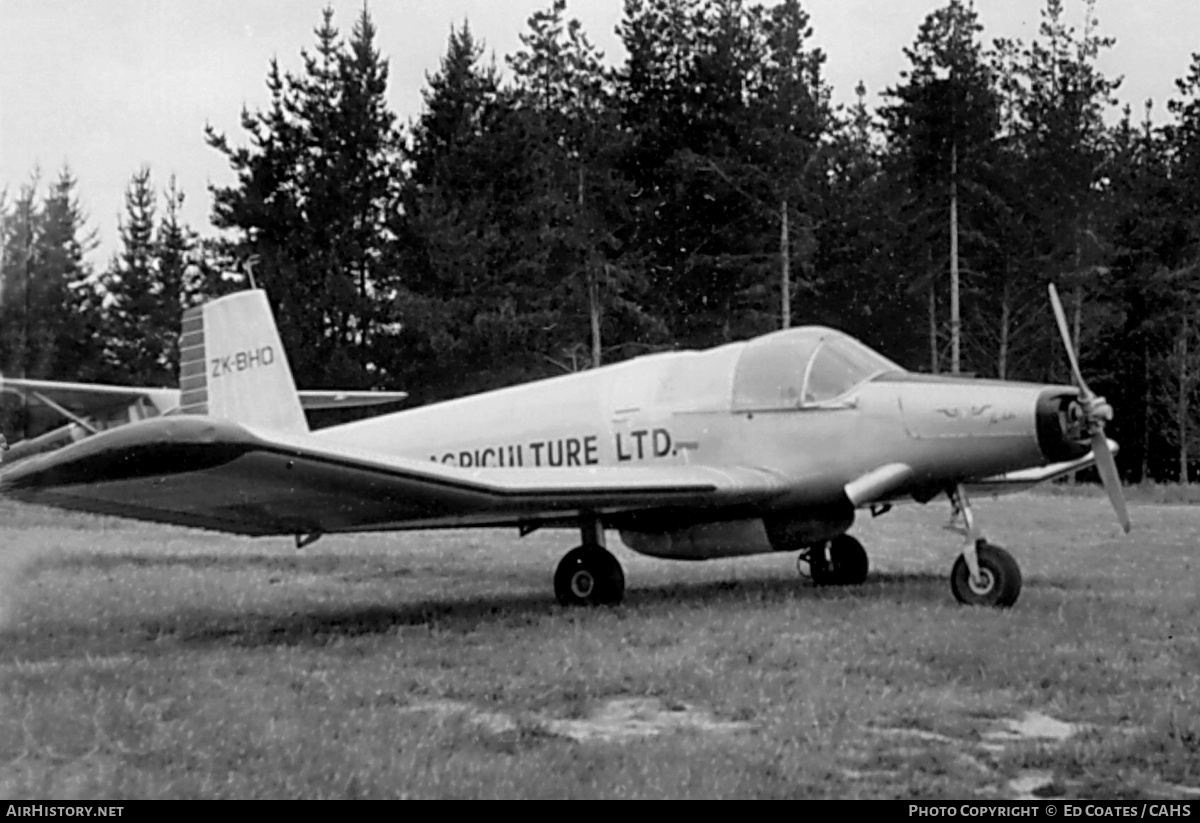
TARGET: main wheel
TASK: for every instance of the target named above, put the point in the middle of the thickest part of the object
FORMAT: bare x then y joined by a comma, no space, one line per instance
1000,578
589,577
841,563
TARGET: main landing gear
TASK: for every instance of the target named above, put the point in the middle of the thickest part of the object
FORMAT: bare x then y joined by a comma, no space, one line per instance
840,562
983,575
589,575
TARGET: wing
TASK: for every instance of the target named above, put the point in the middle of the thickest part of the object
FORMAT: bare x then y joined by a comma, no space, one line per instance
210,473
336,399
92,406
56,400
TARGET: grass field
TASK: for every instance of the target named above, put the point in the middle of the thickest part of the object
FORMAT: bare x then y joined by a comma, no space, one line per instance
149,662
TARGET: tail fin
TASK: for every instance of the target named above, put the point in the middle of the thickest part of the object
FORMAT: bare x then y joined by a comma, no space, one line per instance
232,364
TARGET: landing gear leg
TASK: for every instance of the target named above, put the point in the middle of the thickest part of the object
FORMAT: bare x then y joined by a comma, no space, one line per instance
589,575
840,562
962,506
983,575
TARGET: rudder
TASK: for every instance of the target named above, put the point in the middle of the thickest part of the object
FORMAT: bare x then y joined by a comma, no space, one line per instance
232,364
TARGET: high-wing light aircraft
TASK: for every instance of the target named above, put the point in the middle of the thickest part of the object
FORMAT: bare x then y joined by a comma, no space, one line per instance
64,412
766,445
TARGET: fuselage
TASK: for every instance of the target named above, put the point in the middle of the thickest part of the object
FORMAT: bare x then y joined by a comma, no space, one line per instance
810,402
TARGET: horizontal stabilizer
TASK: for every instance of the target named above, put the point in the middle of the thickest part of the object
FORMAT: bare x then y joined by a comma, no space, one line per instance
323,400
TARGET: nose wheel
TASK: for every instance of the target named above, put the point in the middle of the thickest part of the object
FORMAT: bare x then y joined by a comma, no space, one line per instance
998,583
984,574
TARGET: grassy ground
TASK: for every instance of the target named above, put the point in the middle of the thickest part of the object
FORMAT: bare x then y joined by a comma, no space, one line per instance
144,662
1149,492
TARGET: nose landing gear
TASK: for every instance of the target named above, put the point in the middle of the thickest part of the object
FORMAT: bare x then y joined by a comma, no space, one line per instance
984,574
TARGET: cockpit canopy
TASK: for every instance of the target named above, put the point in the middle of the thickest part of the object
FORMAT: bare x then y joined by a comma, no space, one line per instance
807,366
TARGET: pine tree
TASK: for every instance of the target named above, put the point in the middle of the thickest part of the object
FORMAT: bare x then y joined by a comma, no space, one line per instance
862,286
48,322
791,120
462,101
564,97
143,313
21,224
655,90
68,315
942,127
174,250
476,306
315,201
1182,139
1065,146
700,203
1155,261
368,174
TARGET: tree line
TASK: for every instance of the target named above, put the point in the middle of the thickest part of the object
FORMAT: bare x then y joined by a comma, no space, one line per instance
566,212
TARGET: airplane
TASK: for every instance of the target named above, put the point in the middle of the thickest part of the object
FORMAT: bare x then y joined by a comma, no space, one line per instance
88,408
766,445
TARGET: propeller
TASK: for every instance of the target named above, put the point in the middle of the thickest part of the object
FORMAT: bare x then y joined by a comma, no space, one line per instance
1096,413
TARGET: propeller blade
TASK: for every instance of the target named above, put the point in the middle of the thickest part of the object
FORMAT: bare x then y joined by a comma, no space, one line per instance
1061,317
1105,463
1108,475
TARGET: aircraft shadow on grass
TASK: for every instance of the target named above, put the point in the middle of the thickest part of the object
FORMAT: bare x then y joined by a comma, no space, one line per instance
339,567
451,614
265,625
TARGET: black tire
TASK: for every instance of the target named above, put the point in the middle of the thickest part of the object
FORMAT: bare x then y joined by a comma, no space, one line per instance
589,577
843,562
1001,578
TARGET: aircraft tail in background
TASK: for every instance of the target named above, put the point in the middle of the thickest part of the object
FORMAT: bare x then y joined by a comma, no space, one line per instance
232,365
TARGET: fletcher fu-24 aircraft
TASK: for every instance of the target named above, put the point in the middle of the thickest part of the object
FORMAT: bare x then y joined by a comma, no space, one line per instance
766,445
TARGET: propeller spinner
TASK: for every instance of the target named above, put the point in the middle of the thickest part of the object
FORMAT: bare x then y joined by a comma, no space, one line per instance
1096,413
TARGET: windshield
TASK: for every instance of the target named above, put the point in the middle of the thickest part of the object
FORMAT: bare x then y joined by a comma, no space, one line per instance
840,364
802,366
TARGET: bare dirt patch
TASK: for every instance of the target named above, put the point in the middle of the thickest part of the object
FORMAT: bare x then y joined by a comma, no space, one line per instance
1031,727
984,750
611,721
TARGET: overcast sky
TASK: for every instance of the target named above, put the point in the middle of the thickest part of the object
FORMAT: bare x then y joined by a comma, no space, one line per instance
108,86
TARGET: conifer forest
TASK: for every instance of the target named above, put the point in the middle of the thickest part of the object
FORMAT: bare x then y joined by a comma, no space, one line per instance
555,209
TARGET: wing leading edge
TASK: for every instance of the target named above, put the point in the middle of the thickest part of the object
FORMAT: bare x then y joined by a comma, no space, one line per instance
216,474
